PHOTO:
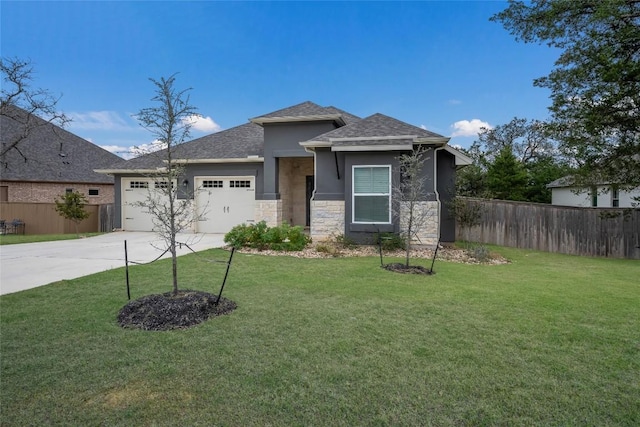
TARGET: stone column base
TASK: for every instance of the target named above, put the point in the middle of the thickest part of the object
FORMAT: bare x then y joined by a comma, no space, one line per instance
426,218
327,219
269,211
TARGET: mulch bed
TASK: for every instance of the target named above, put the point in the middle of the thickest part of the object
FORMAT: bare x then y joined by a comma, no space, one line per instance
161,312
411,269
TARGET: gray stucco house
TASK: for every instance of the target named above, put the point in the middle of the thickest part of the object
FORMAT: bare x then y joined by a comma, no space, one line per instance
317,167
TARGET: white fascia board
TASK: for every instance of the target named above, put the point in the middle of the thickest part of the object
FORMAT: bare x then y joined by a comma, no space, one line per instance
437,140
288,119
315,144
461,158
256,159
372,138
127,171
403,147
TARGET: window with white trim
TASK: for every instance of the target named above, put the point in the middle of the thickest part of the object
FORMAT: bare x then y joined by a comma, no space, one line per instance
371,194
240,184
138,184
212,183
615,197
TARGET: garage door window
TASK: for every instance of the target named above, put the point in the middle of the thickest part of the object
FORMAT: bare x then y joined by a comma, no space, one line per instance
161,184
138,184
212,183
240,184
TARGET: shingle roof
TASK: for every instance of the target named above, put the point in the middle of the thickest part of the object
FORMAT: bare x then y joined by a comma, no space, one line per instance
235,143
53,155
376,126
306,108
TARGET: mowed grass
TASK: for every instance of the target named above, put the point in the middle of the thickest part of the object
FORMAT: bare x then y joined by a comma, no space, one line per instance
545,340
13,239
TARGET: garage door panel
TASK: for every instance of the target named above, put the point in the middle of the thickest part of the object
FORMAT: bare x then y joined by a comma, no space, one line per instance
224,202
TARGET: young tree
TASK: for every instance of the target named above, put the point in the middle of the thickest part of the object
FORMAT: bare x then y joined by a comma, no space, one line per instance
20,102
506,177
410,196
71,206
170,121
595,86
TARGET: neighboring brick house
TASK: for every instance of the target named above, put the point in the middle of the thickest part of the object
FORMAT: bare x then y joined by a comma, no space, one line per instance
307,165
51,161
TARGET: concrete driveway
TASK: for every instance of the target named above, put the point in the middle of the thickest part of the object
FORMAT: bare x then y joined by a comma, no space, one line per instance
30,265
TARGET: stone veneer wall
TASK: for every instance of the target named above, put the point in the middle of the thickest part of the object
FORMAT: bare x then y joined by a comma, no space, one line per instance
293,188
269,211
428,234
47,192
327,219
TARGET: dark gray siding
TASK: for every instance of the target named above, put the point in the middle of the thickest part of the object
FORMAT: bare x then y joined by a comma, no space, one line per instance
364,233
367,233
446,190
283,140
330,175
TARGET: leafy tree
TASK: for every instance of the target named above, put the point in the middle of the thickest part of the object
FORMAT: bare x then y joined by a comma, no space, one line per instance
170,121
541,172
71,206
30,107
595,85
410,195
528,139
506,177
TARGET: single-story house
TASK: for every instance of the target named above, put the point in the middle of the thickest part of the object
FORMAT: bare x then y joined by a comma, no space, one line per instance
308,165
564,192
50,161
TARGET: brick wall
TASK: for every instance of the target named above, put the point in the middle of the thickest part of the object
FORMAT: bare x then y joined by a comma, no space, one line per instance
47,192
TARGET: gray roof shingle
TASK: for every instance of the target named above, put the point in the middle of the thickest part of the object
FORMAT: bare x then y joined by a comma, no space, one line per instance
306,108
53,155
376,126
235,143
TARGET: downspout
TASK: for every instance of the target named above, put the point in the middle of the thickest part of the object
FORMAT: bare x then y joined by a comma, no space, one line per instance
435,189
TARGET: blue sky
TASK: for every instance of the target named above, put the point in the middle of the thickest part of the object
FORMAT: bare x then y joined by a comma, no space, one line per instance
441,65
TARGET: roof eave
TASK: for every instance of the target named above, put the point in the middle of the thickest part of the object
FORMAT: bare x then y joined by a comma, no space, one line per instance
292,119
249,159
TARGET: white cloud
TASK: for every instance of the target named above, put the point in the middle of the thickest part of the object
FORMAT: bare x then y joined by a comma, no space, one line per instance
98,120
469,127
203,124
423,127
454,102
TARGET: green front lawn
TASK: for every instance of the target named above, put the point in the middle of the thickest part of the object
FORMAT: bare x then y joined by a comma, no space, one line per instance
12,239
546,340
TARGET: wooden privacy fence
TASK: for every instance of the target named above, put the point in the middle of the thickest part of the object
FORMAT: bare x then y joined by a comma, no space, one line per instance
607,232
42,218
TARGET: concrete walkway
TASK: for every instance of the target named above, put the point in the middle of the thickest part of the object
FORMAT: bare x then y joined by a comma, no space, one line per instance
29,265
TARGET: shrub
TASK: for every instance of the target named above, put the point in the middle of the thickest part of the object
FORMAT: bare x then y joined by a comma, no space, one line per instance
260,236
391,241
480,253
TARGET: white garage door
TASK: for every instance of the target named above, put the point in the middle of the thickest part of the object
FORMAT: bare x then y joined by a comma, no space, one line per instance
134,190
224,202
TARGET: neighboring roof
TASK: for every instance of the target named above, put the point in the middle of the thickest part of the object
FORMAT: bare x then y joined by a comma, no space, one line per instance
376,127
52,155
304,112
565,181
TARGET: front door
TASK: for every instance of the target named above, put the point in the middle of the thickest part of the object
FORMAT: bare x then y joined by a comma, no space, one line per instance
310,185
